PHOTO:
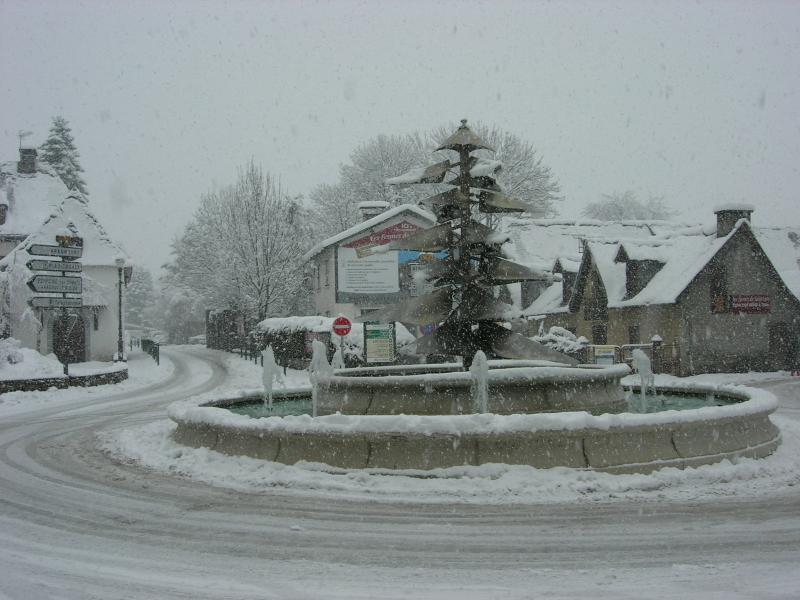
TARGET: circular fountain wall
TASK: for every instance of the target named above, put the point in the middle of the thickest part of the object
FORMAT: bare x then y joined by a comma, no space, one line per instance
624,442
514,387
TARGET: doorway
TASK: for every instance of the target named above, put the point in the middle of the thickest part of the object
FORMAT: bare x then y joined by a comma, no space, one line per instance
69,338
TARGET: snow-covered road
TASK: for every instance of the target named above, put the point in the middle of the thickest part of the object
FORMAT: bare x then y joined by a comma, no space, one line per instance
74,523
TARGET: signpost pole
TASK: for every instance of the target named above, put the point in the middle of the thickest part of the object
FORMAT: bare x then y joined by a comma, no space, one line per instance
341,327
68,249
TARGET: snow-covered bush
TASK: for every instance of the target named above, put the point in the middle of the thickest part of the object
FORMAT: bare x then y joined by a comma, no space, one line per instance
10,353
287,336
562,340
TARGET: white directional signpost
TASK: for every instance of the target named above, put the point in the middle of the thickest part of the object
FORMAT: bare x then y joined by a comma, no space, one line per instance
68,281
55,284
48,302
54,265
65,252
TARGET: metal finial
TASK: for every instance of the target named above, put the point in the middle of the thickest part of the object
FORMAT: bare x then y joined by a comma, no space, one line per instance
463,122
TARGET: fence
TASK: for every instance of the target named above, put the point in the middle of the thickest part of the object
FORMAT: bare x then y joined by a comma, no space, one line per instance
665,358
152,348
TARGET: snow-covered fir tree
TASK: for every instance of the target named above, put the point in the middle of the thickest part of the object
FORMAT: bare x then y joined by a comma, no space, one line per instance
60,152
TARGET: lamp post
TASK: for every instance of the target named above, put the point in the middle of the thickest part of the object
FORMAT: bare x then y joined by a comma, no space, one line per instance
120,262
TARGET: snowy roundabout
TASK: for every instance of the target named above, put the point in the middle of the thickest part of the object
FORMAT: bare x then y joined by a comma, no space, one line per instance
98,501
518,413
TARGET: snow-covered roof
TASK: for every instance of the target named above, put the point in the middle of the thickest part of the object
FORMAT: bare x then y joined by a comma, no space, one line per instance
539,243
368,224
683,251
353,341
657,251
30,197
611,272
548,302
782,246
73,214
373,204
737,206
565,264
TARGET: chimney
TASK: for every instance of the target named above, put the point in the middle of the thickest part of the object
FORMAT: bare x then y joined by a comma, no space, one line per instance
371,209
730,214
27,160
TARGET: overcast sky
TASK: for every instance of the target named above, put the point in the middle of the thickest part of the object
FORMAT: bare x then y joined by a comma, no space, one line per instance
695,101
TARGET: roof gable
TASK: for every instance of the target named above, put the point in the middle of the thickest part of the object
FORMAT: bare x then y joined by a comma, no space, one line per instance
30,197
599,257
409,209
73,214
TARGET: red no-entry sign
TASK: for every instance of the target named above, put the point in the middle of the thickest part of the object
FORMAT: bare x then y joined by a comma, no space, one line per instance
342,326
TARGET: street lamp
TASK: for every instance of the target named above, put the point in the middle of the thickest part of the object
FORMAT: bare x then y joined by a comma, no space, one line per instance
120,262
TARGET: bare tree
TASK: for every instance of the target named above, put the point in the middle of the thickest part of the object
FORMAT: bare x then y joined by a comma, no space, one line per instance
623,206
242,248
364,177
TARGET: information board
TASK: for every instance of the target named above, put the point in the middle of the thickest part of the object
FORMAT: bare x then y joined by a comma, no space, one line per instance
375,274
379,342
362,270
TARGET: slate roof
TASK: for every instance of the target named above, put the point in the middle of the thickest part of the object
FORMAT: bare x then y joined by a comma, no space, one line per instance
683,251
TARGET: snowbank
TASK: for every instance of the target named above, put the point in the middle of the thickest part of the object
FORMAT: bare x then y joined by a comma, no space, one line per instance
17,362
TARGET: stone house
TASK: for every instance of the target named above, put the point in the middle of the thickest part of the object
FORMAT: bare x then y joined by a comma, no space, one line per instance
35,208
719,300
348,277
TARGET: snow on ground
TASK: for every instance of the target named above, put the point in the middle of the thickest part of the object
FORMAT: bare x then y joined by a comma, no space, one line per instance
152,447
142,370
18,362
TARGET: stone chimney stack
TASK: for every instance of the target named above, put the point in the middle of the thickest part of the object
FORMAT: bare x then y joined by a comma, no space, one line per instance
730,214
27,160
371,209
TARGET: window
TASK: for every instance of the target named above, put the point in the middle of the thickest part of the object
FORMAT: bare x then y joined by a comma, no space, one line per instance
633,334
599,334
719,289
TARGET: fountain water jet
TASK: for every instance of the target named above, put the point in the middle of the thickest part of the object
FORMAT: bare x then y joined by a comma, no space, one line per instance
270,375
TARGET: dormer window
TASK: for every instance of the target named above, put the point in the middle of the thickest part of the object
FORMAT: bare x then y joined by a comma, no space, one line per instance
638,273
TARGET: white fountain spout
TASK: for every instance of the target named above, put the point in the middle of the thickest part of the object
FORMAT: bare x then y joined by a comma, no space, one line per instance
270,375
641,362
479,370
319,370
337,362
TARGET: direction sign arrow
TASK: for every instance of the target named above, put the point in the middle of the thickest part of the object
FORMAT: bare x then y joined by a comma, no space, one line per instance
51,283
46,250
54,265
49,302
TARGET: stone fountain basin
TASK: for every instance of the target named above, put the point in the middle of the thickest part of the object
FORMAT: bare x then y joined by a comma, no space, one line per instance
444,389
617,443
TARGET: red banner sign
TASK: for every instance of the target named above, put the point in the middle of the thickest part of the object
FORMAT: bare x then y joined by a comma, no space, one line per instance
750,304
396,232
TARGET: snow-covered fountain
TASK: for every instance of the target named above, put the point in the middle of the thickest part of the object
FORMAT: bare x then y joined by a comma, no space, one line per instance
527,405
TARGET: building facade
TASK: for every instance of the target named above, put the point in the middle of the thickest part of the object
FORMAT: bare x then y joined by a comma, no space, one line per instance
37,209
350,275
718,301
